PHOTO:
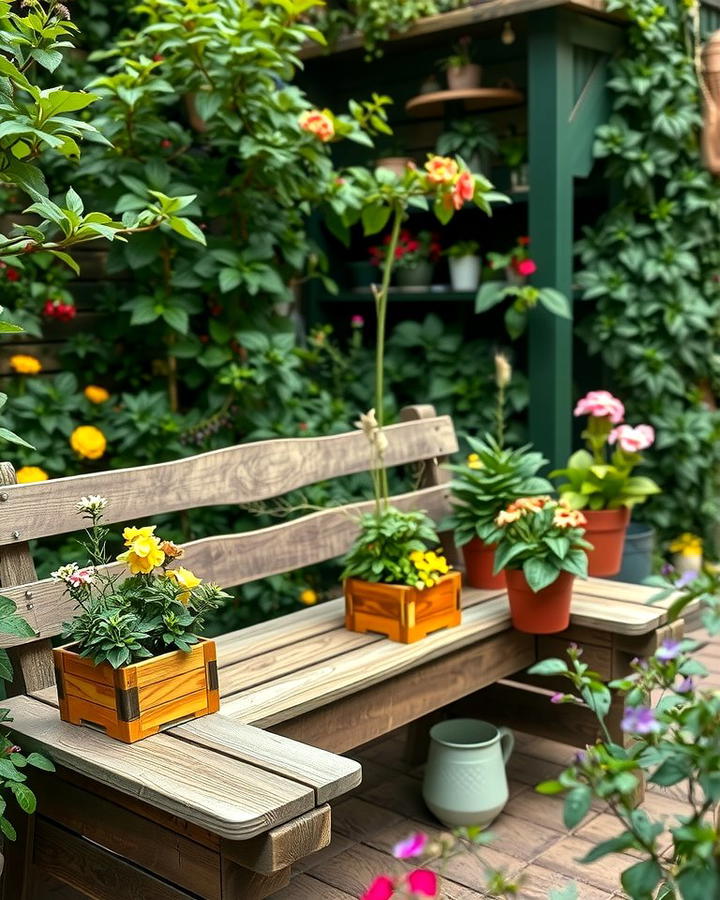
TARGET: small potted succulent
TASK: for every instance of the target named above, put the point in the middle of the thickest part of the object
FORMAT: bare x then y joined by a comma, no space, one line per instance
414,258
517,266
135,661
462,73
395,581
464,263
541,545
490,478
599,479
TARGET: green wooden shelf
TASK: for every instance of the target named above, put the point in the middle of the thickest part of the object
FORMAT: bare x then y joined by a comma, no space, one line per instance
365,296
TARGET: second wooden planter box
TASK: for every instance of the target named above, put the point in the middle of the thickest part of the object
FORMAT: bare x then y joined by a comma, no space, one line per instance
402,613
135,701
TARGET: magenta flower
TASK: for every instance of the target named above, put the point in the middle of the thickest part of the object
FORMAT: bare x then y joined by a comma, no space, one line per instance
411,846
381,889
557,698
640,720
633,440
667,569
668,651
423,882
601,404
357,321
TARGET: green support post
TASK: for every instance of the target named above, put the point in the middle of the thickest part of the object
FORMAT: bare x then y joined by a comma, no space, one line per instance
550,104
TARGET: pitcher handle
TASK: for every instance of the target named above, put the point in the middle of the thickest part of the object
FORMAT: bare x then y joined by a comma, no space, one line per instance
507,742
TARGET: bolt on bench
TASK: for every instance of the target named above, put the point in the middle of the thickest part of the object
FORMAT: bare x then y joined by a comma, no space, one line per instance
221,807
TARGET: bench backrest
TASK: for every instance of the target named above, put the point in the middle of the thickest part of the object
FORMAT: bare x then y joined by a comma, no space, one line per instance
242,474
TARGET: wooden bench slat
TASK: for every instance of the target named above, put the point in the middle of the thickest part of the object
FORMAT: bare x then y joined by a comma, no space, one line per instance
224,795
233,559
242,474
329,775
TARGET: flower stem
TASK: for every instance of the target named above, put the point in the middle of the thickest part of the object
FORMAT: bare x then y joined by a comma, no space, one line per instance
381,301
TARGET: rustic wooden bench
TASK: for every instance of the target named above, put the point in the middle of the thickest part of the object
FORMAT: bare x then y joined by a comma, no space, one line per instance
222,806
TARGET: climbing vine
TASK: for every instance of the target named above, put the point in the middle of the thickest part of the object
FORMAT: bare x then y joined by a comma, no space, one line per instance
651,264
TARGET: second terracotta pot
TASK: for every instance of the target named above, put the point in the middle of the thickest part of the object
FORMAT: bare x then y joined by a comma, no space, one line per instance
479,562
544,612
605,530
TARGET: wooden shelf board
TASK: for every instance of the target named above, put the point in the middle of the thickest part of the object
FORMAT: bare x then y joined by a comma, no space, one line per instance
432,105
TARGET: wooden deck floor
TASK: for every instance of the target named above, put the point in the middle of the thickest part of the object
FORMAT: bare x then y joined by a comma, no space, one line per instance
530,839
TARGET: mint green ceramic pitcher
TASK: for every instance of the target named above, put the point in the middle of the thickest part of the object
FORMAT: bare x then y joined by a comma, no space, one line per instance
465,781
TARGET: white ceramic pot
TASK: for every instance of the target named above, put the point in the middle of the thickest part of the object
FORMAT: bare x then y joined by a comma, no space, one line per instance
461,78
465,782
464,272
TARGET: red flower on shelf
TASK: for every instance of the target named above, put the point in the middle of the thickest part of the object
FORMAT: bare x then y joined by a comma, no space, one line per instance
56,309
11,274
524,267
410,250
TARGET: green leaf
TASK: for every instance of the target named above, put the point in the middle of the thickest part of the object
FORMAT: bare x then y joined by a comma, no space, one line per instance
374,218
489,295
40,762
698,883
177,318
187,229
7,829
539,573
552,666
641,879
6,669
613,845
67,259
577,805
16,626
555,302
25,797
550,787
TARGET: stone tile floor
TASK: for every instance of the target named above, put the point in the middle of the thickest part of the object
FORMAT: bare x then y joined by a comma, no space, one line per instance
530,838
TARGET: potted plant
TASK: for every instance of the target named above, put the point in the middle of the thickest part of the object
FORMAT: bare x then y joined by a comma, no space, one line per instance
491,477
462,73
394,158
135,661
517,267
413,257
474,139
541,545
599,479
464,263
395,582
514,152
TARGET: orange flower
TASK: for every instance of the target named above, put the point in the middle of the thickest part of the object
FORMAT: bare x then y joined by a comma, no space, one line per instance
28,474
506,516
318,123
441,169
568,518
171,550
96,394
24,364
464,189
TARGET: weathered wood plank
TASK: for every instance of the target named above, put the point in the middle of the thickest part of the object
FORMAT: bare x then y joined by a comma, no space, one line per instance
327,774
241,474
234,559
226,796
360,717
135,838
284,845
91,870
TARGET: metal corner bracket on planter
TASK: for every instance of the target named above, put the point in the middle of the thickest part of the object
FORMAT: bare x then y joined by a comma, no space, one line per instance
134,701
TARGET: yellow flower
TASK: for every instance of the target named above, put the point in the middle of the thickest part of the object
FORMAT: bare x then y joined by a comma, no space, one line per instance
144,553
131,534
430,566
88,441
183,578
474,461
31,473
308,597
687,544
96,394
25,365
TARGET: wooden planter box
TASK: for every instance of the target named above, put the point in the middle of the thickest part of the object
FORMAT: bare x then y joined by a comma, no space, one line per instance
141,699
402,613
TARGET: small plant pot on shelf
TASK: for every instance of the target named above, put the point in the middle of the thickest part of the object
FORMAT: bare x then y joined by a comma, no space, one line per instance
464,272
479,562
544,612
135,701
417,277
637,555
396,164
605,530
460,78
402,613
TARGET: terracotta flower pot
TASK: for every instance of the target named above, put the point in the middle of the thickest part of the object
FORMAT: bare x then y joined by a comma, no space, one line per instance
544,612
605,530
396,164
461,78
479,561
403,613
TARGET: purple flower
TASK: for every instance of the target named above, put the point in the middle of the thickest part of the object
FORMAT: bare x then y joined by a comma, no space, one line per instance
686,686
667,569
557,698
640,720
411,846
668,650
686,577
580,758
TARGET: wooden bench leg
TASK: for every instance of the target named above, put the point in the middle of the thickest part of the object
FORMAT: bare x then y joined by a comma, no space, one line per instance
242,883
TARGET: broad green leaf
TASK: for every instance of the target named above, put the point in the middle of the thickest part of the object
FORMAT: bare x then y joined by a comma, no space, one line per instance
641,879
577,805
552,666
613,845
187,229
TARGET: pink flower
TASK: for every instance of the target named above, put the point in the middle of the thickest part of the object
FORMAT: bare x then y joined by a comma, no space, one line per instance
632,440
357,321
423,882
557,698
464,189
381,889
411,846
81,576
601,404
525,267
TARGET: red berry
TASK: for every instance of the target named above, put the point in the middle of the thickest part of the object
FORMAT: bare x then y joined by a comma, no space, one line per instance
165,143
12,274
158,57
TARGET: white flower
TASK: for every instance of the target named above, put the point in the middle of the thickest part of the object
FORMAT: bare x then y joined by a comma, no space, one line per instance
93,504
368,424
65,573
